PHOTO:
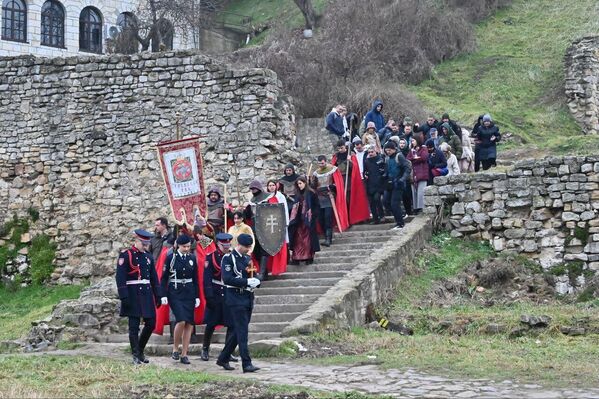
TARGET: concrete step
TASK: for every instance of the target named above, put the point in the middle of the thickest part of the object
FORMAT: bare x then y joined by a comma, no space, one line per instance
291,290
371,227
322,267
300,282
274,317
347,250
367,242
270,308
362,234
338,259
301,273
286,299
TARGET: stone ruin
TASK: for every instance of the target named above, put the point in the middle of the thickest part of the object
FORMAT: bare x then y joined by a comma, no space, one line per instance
77,139
546,209
582,82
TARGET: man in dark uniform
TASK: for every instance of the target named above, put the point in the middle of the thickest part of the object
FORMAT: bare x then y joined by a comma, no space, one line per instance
214,292
139,292
180,283
239,301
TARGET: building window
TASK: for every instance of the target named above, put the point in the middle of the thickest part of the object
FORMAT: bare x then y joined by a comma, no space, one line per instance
90,30
53,24
14,20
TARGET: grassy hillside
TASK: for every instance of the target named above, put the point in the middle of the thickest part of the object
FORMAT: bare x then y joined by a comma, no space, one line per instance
517,73
266,12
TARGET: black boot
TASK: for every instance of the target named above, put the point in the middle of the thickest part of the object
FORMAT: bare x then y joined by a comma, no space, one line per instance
144,337
328,238
205,356
134,342
263,274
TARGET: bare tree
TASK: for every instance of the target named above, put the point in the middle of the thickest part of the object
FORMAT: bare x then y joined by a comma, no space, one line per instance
307,9
156,21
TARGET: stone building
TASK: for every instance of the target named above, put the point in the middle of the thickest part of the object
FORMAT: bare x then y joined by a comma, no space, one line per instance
53,28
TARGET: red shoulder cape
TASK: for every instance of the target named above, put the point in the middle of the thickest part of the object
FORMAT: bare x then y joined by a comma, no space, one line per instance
359,210
201,253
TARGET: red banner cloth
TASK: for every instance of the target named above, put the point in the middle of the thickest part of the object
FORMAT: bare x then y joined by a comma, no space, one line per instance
162,313
182,170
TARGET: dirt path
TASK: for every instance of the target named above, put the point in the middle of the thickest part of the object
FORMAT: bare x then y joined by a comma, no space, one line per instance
368,379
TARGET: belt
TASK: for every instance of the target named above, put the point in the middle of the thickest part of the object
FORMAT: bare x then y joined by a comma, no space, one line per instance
218,282
181,280
248,289
136,282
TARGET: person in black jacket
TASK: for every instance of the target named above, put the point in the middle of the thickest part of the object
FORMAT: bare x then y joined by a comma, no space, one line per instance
397,175
374,175
488,135
431,122
473,135
437,163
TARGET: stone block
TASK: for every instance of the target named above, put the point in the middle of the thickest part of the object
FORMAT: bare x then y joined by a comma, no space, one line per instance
518,202
514,233
570,216
458,208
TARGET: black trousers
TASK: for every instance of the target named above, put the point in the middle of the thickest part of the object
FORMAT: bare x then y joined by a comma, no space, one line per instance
240,321
487,163
325,217
376,206
138,341
394,198
406,198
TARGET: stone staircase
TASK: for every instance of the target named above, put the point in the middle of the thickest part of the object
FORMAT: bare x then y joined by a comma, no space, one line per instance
283,298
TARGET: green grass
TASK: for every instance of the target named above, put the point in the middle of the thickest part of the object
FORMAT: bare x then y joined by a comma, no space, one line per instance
264,12
84,376
41,255
552,361
449,257
19,308
543,356
517,73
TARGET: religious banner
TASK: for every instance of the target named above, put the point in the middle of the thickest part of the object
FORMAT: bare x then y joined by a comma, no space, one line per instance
182,170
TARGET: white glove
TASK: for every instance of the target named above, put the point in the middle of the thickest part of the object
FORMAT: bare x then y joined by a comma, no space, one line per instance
164,300
197,302
253,282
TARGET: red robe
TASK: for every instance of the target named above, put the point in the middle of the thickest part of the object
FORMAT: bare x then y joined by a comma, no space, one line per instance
359,211
162,313
201,259
340,202
277,264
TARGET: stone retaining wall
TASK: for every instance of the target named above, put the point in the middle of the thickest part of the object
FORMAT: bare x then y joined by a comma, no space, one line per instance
77,139
345,304
582,82
547,209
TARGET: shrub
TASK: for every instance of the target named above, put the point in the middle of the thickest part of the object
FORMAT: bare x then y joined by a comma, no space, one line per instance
366,45
41,255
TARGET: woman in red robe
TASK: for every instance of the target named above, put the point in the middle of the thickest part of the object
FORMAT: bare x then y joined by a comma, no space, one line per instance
277,264
303,236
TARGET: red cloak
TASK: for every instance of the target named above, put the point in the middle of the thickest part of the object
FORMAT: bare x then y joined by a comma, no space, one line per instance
162,313
359,210
277,264
201,259
340,202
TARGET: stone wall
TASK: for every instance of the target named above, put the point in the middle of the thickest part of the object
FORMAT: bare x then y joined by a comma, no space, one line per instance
547,209
77,139
370,282
582,82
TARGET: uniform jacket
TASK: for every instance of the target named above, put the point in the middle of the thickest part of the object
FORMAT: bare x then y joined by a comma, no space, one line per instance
138,300
213,292
235,276
183,267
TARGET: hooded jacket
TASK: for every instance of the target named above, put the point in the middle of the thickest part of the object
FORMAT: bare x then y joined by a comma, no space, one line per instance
375,116
487,149
452,139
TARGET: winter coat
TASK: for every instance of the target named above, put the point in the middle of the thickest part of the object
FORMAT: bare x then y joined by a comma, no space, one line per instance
454,126
452,165
487,149
375,116
334,123
437,159
420,164
374,172
452,139
425,128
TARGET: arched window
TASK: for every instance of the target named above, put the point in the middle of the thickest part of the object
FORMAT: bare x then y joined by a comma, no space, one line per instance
14,20
90,30
53,24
